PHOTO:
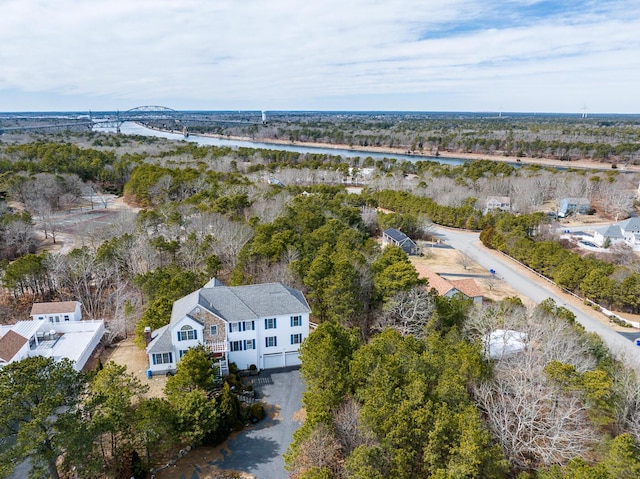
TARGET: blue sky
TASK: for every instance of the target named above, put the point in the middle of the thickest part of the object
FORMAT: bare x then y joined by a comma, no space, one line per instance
421,55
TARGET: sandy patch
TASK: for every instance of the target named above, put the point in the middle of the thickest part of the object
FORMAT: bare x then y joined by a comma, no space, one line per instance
126,353
452,264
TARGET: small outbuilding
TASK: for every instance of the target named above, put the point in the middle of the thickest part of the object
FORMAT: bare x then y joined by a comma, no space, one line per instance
398,238
503,343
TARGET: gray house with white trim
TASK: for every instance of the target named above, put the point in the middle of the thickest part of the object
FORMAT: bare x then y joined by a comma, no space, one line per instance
398,238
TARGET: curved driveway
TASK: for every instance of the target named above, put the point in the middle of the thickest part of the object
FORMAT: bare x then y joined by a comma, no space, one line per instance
538,290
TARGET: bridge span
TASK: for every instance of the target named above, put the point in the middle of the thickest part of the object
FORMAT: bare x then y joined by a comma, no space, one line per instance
145,115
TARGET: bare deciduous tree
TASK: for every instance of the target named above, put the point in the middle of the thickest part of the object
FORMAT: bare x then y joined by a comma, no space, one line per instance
534,423
463,260
408,312
615,202
348,429
370,218
319,450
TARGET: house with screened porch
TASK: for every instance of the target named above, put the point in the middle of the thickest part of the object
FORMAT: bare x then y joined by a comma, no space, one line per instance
260,324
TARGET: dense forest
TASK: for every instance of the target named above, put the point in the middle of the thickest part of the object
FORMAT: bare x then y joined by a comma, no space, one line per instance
398,380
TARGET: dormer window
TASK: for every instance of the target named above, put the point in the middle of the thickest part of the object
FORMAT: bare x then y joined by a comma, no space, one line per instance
187,333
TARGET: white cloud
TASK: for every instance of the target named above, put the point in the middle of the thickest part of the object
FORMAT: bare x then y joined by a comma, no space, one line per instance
290,54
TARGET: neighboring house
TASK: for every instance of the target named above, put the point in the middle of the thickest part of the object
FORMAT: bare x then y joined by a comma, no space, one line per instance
502,203
398,238
275,181
448,288
74,340
260,324
624,232
57,312
573,205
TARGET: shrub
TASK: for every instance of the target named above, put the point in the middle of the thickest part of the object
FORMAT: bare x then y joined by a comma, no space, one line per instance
256,410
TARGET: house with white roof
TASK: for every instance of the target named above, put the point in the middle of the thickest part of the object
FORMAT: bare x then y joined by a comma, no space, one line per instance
260,324
504,343
624,232
73,340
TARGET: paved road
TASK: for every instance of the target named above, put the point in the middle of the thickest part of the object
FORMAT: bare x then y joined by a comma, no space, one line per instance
468,243
259,450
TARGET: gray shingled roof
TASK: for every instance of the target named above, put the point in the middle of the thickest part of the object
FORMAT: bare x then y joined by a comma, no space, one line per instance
396,235
184,306
161,341
631,225
234,303
611,231
255,301
271,299
222,302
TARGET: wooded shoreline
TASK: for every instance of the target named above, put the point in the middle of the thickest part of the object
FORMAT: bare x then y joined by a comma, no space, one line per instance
578,164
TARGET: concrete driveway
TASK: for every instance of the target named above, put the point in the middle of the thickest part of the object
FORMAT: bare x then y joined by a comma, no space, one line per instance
258,450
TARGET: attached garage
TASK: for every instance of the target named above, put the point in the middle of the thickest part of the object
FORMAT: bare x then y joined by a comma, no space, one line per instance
292,359
271,361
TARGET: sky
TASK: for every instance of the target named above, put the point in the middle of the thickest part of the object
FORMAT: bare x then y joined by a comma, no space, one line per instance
370,55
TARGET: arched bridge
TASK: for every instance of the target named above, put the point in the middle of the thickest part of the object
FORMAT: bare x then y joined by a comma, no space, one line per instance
160,116
156,113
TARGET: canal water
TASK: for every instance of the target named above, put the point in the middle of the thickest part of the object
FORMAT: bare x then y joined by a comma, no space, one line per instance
130,128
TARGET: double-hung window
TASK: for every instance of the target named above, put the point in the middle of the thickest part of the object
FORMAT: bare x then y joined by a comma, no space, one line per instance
249,344
213,330
296,338
162,358
296,321
271,341
241,326
187,333
235,345
270,323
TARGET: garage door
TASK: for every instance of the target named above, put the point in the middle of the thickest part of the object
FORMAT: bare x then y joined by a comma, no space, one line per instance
273,361
292,359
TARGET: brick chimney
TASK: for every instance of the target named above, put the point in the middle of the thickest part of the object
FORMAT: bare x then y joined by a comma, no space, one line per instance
147,335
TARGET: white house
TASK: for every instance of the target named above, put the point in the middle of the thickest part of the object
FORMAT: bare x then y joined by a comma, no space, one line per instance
260,324
74,340
502,203
624,232
57,312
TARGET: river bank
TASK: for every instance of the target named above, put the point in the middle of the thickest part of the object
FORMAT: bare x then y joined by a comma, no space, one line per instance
585,164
